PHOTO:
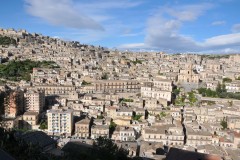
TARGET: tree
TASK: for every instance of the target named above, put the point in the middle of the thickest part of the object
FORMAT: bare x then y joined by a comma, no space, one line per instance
85,83
192,98
136,117
4,40
105,76
180,100
100,116
228,80
105,149
176,91
112,127
230,103
43,125
219,88
20,70
20,149
224,124
163,114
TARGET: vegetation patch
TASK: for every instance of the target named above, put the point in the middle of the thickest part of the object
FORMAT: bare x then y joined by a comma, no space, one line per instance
20,70
4,40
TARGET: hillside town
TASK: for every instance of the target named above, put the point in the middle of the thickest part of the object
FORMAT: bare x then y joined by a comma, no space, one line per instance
150,103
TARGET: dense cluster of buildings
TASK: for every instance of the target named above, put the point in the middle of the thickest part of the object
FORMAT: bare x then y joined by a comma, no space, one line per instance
127,97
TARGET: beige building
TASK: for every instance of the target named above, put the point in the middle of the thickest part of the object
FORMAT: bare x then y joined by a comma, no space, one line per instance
124,133
156,93
151,103
113,86
124,113
56,89
198,137
30,119
60,122
99,131
34,100
163,84
233,86
167,134
9,123
188,75
160,89
82,128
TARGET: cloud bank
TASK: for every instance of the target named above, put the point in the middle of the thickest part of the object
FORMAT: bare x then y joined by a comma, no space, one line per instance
163,32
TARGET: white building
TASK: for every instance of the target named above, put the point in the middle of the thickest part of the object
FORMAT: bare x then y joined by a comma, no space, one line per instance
156,93
60,122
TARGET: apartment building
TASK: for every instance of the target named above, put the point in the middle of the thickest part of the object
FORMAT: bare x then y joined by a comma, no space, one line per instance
60,122
13,103
34,100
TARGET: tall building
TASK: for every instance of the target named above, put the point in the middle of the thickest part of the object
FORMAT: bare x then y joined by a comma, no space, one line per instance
60,122
13,103
34,100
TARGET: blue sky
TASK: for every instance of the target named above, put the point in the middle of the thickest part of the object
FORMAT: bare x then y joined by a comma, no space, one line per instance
203,26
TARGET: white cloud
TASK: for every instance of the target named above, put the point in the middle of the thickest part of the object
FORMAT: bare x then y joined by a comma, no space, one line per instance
61,13
132,46
86,21
109,4
222,40
218,23
236,28
163,32
187,12
75,14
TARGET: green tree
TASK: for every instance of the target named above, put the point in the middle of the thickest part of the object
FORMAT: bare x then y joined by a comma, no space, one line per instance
105,76
84,83
20,70
19,149
43,125
176,91
136,117
105,149
219,88
224,124
180,100
4,40
162,115
127,100
192,98
112,127
100,116
228,80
